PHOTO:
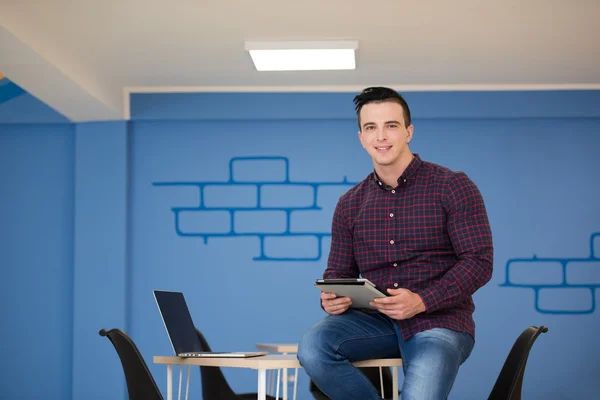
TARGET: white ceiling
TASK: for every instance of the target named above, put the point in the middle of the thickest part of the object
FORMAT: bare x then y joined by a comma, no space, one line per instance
79,56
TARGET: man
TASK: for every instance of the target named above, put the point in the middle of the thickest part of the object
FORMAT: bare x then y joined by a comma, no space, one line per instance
420,232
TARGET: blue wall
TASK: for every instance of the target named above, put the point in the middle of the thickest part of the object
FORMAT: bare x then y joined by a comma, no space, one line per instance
159,204
100,273
36,259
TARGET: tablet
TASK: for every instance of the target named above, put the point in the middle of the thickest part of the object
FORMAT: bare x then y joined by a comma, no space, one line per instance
360,290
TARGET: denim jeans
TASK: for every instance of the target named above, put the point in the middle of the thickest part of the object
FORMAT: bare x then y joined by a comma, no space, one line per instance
430,359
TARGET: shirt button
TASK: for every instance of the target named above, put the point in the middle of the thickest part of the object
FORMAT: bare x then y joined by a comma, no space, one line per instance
379,183
395,285
393,191
391,242
395,264
404,180
391,215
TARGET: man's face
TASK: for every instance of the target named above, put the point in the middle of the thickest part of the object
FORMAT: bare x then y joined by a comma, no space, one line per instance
383,133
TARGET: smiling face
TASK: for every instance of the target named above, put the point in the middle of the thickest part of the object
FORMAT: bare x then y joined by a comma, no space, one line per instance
384,135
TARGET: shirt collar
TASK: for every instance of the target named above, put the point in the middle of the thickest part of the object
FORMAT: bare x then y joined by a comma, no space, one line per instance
406,179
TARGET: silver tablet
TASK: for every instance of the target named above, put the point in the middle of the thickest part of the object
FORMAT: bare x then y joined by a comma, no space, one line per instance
360,290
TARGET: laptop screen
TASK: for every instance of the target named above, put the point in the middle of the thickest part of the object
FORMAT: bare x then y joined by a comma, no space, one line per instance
178,321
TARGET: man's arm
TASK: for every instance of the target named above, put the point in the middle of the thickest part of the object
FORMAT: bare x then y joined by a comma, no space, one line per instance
341,262
471,236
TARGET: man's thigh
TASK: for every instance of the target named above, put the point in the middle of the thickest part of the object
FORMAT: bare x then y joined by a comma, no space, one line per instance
431,361
354,335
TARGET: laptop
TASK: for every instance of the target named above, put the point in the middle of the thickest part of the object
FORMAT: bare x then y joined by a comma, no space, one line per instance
181,330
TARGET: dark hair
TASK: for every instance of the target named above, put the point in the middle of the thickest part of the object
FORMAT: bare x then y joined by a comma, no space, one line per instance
380,94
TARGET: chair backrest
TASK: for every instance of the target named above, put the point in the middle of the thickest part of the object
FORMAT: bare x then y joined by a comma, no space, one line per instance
140,383
214,383
510,380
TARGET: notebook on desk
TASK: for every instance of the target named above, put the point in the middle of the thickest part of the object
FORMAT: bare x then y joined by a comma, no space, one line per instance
181,330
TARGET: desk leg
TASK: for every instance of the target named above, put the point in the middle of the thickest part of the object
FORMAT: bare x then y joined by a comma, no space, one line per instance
395,383
169,382
187,385
295,383
270,381
262,384
278,380
285,382
180,382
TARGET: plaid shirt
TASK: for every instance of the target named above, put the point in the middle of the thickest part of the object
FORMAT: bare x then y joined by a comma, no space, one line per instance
430,235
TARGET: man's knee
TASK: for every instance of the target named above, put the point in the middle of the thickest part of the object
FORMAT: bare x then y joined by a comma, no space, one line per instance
305,348
319,343
311,347
444,346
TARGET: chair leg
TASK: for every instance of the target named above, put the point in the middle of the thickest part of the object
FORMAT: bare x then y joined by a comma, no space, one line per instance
395,383
381,381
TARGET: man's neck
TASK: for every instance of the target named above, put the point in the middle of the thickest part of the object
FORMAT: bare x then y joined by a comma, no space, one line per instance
389,174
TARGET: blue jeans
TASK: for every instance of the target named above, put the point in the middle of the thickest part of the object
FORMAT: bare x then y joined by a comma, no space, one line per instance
430,359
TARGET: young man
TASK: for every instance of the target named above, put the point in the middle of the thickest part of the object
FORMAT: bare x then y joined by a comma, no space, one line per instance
420,232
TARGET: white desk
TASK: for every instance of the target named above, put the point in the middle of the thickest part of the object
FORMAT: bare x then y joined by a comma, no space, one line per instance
261,364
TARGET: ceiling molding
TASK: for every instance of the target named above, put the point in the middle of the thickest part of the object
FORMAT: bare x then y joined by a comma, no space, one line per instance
127,91
354,88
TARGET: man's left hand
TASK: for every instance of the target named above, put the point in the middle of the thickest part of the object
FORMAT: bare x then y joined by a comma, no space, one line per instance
402,304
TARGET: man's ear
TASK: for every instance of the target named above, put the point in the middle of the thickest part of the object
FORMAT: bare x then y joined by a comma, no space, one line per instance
410,131
360,137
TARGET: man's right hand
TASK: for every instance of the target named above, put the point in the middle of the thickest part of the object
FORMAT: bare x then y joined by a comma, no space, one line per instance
334,305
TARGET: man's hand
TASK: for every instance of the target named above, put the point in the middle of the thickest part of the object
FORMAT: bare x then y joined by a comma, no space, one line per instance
334,305
402,304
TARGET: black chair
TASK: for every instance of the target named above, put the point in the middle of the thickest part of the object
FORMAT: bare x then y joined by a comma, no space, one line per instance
510,380
214,384
140,383
370,372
